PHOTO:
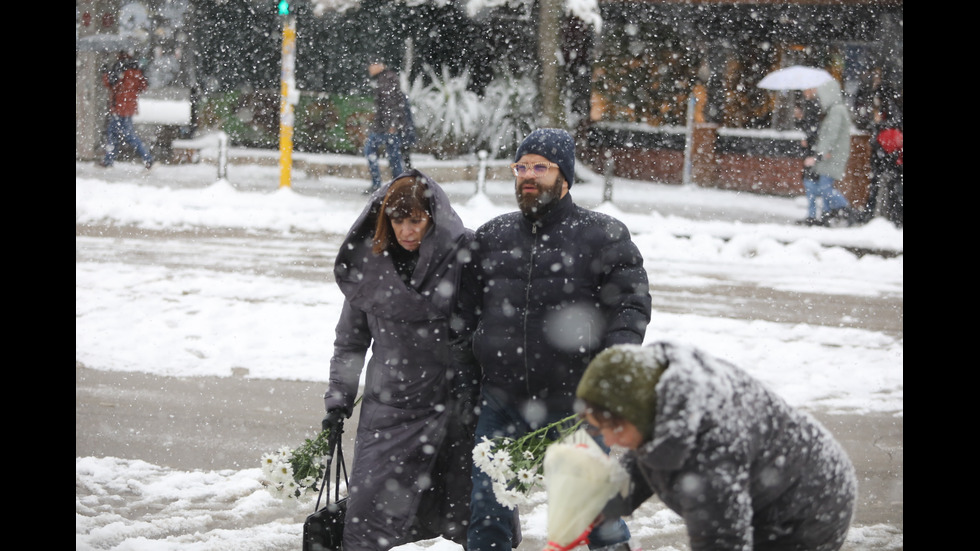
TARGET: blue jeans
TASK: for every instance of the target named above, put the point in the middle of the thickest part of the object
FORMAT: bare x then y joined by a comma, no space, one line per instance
393,148
823,188
490,522
121,128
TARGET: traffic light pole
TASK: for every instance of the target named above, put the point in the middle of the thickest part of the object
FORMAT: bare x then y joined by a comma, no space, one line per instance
289,97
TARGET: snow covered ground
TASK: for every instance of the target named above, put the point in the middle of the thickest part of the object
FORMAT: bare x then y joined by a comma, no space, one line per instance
201,319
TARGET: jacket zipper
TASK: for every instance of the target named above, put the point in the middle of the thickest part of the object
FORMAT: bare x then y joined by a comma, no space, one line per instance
527,306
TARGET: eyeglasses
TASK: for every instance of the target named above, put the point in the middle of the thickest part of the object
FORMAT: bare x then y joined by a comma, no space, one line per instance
539,169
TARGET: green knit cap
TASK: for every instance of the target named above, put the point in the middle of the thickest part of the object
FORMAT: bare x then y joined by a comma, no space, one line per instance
623,379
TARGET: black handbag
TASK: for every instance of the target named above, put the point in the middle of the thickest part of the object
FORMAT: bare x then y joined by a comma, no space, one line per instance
324,529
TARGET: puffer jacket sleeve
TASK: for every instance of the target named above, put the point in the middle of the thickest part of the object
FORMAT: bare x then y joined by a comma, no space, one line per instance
353,338
639,490
469,297
625,289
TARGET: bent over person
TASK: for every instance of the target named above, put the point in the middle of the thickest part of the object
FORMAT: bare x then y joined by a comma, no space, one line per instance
744,469
399,269
549,287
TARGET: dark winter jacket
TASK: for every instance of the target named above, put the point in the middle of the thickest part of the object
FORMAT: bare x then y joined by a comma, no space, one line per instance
744,469
125,81
809,123
551,294
389,104
412,455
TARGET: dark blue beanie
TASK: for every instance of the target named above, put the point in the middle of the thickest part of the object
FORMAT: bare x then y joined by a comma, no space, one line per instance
553,144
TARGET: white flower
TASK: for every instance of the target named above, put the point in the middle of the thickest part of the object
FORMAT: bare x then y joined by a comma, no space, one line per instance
269,464
526,477
293,472
507,498
501,464
514,466
308,482
282,474
482,456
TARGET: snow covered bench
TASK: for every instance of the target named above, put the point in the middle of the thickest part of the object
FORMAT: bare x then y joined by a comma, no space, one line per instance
162,119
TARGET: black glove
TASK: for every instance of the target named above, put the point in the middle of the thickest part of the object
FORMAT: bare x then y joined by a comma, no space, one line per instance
616,507
334,421
466,411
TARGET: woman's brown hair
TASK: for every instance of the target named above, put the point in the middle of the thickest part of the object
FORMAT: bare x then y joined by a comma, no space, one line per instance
406,198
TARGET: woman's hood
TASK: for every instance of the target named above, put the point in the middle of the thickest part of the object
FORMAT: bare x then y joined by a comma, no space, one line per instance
370,280
828,94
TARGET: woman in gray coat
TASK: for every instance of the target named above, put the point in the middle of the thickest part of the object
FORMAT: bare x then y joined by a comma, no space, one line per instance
828,159
399,270
744,469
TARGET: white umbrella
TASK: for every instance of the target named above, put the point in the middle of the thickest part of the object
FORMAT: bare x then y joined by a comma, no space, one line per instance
796,77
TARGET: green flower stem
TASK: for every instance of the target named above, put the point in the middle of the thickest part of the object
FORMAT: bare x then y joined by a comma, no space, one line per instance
306,459
539,439
536,443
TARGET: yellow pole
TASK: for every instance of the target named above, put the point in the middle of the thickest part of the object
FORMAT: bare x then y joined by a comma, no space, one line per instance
287,101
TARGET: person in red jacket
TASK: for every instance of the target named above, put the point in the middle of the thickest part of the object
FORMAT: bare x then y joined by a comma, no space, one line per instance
888,162
125,81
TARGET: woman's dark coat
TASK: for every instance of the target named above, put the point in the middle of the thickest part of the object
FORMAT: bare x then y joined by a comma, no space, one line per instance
744,469
410,477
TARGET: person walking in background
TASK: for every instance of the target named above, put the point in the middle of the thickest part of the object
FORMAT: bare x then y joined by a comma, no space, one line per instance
877,111
125,81
409,136
549,286
389,125
869,99
399,268
743,468
807,115
888,163
828,159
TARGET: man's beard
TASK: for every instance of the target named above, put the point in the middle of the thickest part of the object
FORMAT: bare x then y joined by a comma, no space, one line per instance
537,204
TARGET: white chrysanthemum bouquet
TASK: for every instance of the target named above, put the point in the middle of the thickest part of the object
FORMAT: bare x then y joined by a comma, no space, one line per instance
580,479
516,466
292,473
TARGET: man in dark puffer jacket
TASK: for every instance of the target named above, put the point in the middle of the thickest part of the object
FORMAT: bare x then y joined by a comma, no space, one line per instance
549,288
